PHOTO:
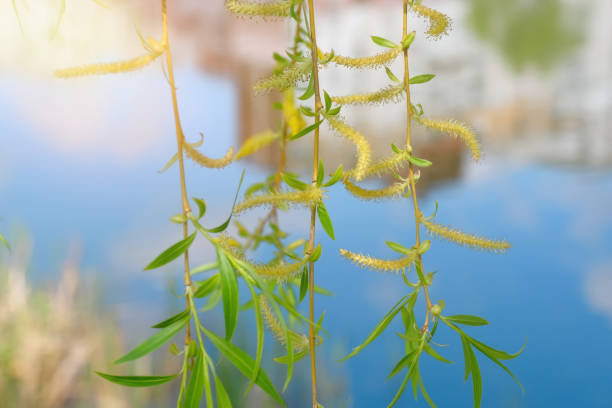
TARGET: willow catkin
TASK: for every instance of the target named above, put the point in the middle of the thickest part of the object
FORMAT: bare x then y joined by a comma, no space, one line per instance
285,79
384,265
204,161
251,9
107,68
386,165
393,191
464,239
298,341
439,23
376,61
256,142
363,147
392,93
291,113
307,198
455,129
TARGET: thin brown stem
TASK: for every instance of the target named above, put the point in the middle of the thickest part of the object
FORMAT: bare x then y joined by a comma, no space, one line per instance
313,211
180,139
411,176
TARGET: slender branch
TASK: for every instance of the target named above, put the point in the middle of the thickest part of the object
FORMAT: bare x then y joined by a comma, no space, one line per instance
411,176
313,211
180,139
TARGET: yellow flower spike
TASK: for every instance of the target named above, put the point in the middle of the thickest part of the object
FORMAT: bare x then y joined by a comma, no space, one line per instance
256,142
284,80
307,198
455,129
384,265
292,115
464,239
392,93
298,341
387,165
439,23
375,61
280,271
204,161
393,191
364,150
259,9
109,68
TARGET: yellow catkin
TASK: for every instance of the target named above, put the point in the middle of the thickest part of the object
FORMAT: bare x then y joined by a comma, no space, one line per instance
363,147
298,341
462,238
389,164
384,265
281,271
393,191
292,115
255,143
392,93
258,8
111,67
285,79
307,198
375,61
204,161
455,129
439,23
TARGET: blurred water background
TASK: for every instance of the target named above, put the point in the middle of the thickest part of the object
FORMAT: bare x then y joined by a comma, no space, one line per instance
79,165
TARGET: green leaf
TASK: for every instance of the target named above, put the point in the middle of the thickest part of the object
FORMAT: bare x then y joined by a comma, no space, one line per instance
407,360
390,75
310,89
137,381
328,101
170,320
334,178
382,325
476,378
155,341
195,388
296,357
294,182
406,42
201,206
229,290
316,254
400,390
244,363
207,286
306,130
419,162
432,352
421,79
466,357
223,226
320,173
424,247
260,334
395,148
383,42
303,284
172,253
4,242
223,399
325,220
399,248
467,320
424,391
335,111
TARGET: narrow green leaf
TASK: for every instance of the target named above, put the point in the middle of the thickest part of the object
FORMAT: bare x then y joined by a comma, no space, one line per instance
155,341
244,363
170,320
424,391
229,291
207,286
325,220
421,79
494,353
334,178
407,360
467,320
406,42
195,388
476,378
400,391
320,173
303,284
383,42
306,130
328,101
432,352
466,357
172,253
399,248
310,89
316,254
201,207
223,399
223,226
391,75
294,182
335,111
381,326
260,335
137,381
419,162
296,357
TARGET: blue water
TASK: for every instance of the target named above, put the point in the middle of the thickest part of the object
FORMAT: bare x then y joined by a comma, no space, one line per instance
549,289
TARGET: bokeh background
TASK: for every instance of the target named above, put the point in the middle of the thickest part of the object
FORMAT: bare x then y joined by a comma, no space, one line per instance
84,207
